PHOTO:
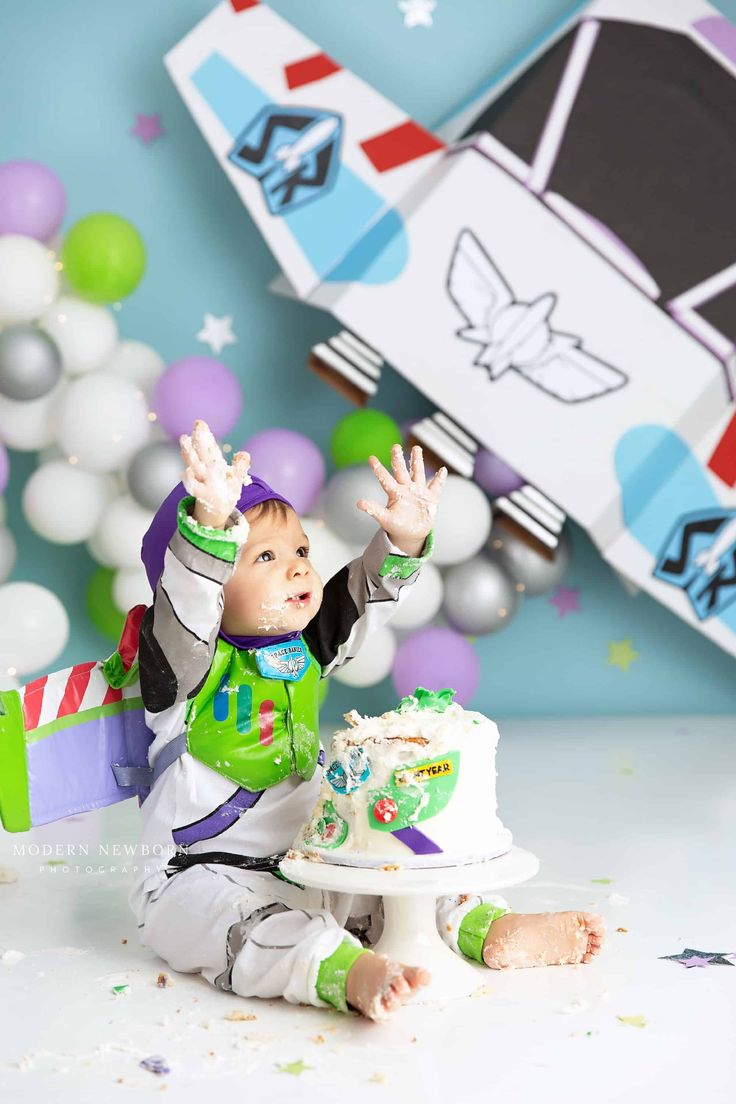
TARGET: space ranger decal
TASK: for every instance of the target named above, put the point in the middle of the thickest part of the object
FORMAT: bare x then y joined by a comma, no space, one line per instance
700,557
293,151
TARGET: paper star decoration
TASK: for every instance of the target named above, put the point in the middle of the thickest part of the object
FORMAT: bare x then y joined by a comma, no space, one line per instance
417,13
294,1068
621,654
217,332
566,599
689,958
148,127
632,1021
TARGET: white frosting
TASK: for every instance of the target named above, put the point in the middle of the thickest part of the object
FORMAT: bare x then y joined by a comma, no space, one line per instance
460,747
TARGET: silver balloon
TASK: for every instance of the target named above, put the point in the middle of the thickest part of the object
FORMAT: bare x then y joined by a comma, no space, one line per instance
153,473
30,362
344,518
479,597
532,572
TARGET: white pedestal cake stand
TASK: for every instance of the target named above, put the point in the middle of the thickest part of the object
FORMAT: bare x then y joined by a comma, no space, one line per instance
409,896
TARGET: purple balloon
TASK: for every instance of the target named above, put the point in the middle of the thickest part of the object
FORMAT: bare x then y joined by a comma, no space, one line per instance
495,477
197,387
436,658
289,461
32,200
4,468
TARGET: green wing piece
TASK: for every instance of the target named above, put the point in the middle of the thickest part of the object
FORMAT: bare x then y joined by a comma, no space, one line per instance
15,806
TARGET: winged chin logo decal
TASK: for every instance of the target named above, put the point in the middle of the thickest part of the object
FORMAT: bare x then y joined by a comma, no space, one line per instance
290,667
518,335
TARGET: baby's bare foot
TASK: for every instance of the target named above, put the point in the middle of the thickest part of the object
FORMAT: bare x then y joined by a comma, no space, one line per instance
543,939
377,985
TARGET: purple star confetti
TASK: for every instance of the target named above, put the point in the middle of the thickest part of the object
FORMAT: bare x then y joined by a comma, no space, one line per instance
566,599
690,957
155,1064
148,127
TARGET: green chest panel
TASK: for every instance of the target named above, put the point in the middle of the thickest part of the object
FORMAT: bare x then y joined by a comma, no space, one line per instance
255,731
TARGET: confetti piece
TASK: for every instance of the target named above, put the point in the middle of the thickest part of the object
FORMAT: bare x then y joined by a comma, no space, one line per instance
120,990
123,940
8,875
318,1039
155,1064
163,981
294,1068
602,881
566,600
240,1016
689,958
621,654
148,128
622,929
632,1021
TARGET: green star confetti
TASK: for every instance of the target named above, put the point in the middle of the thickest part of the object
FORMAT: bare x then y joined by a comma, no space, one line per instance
294,1068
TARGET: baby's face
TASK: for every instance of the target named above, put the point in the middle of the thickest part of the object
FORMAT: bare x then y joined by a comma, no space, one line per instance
274,589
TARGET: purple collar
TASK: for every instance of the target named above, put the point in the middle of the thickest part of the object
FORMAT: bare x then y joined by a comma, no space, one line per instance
257,641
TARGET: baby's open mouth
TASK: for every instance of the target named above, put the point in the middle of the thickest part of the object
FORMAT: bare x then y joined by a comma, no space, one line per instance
299,599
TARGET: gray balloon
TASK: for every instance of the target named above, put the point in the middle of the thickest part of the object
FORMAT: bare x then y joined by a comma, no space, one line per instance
30,362
341,493
479,597
532,573
153,473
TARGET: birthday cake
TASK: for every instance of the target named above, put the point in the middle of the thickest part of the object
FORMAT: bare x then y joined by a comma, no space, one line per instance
415,787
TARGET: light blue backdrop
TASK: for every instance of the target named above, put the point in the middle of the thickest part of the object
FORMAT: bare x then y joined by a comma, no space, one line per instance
74,74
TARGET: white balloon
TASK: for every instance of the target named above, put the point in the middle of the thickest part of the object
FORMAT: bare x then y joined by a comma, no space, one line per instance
344,489
463,521
29,282
139,363
8,682
130,587
3,511
85,333
29,426
423,601
34,628
120,532
102,421
64,503
97,551
372,663
327,552
8,553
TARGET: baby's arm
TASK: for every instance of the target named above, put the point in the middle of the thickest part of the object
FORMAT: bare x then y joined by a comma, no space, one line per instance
179,631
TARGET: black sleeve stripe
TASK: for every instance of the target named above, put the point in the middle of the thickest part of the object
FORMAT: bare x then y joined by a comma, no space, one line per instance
157,679
332,624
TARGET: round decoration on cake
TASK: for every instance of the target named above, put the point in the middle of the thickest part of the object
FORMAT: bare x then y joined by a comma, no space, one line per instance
34,628
436,657
32,200
480,598
362,434
30,362
342,492
533,573
494,476
104,257
289,461
85,334
29,282
463,521
372,663
197,387
84,495
102,421
153,473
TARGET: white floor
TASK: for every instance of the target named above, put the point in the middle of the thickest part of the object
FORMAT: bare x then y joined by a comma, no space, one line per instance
649,804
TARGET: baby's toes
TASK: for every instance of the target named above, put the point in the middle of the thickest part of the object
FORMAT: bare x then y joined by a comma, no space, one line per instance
417,976
400,986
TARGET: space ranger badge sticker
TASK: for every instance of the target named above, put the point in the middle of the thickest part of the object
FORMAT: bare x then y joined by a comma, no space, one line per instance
699,556
283,661
293,152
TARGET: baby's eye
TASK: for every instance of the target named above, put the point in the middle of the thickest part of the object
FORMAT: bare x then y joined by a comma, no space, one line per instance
269,554
303,551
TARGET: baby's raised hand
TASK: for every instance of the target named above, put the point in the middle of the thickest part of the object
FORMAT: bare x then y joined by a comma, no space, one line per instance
214,483
409,513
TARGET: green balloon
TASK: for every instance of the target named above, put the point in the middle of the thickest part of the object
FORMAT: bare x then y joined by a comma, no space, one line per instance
101,609
103,257
361,433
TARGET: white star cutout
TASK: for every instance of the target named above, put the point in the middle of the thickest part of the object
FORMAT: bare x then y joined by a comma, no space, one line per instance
217,332
417,13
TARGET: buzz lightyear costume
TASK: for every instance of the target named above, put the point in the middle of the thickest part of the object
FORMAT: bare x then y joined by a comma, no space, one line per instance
234,768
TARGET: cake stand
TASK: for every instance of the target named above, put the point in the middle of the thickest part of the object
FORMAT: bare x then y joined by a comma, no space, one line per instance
409,897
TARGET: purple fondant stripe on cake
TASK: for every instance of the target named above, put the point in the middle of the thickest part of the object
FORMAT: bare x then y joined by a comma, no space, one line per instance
417,842
219,820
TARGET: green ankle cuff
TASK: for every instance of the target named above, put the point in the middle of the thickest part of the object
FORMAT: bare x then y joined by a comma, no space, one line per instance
474,929
333,974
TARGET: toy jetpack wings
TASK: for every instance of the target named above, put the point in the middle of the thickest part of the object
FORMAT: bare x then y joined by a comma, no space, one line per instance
561,283
75,740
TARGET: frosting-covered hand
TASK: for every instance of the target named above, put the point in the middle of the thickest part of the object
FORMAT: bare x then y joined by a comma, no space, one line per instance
208,476
410,510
